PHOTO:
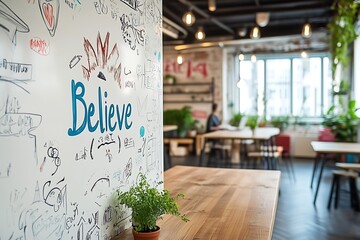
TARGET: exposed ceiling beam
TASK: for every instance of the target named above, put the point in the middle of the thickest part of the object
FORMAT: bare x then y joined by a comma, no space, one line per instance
207,16
280,7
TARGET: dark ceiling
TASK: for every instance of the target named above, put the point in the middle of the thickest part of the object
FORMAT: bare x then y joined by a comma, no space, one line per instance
286,18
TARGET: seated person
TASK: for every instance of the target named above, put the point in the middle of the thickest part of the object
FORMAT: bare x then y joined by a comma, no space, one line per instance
213,121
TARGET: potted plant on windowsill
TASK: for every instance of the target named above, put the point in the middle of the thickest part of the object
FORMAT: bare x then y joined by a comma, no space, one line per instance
148,204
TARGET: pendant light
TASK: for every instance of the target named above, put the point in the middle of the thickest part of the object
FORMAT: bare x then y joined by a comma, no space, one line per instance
262,18
255,33
253,58
306,30
179,59
241,57
200,35
188,18
304,54
212,5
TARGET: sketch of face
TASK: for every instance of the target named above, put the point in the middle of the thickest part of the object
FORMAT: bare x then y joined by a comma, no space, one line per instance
128,31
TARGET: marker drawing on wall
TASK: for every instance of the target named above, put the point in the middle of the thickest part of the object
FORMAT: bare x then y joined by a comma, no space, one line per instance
40,46
102,57
74,61
95,109
132,35
15,73
11,23
15,123
50,13
53,153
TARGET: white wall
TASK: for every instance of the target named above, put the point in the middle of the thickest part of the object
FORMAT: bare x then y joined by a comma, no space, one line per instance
80,113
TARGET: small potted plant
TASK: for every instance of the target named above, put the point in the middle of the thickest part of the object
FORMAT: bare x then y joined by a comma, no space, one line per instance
148,204
252,123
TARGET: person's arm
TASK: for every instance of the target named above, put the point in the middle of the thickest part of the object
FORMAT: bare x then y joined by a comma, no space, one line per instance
215,123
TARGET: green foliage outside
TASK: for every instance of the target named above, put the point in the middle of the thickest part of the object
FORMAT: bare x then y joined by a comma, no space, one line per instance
148,204
343,125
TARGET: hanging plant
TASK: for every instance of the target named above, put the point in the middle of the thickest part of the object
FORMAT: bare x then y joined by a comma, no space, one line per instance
342,32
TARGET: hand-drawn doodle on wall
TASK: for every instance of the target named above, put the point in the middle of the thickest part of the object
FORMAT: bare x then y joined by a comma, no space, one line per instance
97,187
101,7
128,170
52,153
102,58
74,61
55,197
134,4
40,46
82,154
11,23
45,218
153,15
14,123
132,35
15,73
50,13
110,143
151,160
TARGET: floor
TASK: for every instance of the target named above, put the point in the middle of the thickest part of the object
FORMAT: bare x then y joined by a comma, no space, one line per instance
297,218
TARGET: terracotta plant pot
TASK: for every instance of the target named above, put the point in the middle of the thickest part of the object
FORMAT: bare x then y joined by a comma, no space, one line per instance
146,235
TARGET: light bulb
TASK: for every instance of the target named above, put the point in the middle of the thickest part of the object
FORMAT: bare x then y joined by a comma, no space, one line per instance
306,31
241,57
212,5
179,59
188,18
304,54
200,35
255,33
253,58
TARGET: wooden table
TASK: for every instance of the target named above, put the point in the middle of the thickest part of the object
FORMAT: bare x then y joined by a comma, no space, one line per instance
168,128
246,134
220,203
323,148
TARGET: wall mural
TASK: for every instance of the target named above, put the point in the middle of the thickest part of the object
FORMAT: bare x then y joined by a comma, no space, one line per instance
80,113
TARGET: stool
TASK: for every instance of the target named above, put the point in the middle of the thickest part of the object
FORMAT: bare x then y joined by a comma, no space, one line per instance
352,177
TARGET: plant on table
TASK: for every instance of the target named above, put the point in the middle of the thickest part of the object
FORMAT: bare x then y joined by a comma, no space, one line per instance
148,204
252,122
235,120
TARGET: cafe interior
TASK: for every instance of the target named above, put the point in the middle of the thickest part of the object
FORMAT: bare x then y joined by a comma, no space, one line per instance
283,80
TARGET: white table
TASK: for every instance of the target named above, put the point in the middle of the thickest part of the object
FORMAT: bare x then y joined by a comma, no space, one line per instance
323,148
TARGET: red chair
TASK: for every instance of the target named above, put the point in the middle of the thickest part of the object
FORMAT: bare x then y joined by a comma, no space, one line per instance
284,141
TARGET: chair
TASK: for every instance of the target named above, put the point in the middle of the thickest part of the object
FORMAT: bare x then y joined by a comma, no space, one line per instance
269,152
219,151
325,135
284,141
352,177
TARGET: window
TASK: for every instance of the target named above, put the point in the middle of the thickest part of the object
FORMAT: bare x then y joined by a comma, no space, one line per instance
278,96
251,87
285,86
